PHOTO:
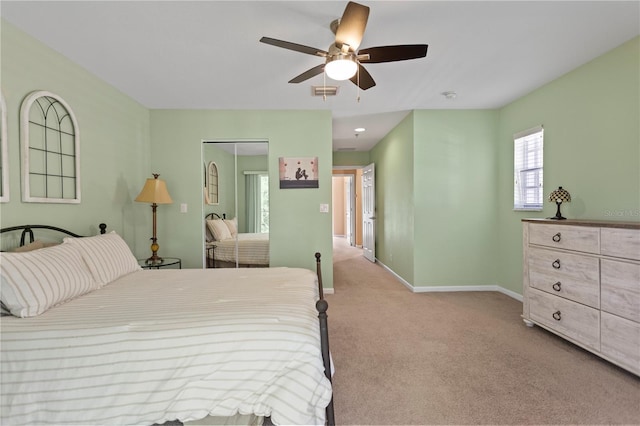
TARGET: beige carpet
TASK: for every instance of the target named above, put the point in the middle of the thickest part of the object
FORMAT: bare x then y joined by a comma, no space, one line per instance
458,358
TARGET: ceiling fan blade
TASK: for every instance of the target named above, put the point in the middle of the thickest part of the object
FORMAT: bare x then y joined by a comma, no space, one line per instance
364,78
294,46
393,53
308,74
352,25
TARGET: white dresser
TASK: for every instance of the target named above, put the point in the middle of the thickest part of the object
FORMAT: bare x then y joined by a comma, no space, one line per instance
581,280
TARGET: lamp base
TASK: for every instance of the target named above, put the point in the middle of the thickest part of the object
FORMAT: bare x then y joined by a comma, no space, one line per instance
558,215
154,260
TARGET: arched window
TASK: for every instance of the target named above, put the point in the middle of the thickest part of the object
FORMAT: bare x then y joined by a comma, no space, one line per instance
50,150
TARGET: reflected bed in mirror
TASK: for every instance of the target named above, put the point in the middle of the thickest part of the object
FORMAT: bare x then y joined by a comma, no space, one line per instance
227,248
242,210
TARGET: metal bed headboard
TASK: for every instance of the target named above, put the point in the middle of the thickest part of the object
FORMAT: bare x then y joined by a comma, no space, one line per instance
215,216
28,230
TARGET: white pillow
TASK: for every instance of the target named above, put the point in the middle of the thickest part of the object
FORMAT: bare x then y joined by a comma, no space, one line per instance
34,281
108,256
219,229
232,224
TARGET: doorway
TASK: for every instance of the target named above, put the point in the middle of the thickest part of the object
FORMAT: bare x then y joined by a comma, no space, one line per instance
347,205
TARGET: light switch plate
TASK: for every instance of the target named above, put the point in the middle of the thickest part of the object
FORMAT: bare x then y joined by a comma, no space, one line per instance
183,208
324,208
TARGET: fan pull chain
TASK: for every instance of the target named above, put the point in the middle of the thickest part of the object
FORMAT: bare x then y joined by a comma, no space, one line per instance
358,80
324,85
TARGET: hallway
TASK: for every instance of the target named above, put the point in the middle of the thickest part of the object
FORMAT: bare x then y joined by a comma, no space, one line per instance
343,251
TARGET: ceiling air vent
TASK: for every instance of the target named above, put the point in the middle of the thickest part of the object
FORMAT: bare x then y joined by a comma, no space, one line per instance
324,90
346,149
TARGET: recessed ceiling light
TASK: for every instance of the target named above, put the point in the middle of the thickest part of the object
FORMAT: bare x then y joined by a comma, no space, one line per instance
359,129
449,94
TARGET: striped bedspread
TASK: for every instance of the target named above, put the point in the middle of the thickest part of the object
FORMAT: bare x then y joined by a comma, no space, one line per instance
253,249
158,345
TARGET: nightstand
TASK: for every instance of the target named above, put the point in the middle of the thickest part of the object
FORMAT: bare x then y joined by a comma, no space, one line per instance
164,263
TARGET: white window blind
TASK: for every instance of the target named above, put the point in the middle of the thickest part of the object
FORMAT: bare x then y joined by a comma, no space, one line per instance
527,169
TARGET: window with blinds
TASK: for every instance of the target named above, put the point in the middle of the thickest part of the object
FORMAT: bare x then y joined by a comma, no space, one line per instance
527,169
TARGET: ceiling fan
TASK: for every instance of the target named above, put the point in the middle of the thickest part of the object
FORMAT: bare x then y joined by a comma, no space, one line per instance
343,60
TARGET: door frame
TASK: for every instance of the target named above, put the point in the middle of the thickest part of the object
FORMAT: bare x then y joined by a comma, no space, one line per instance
349,205
357,210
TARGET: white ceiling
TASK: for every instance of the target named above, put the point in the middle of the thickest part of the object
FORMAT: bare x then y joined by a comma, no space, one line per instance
206,54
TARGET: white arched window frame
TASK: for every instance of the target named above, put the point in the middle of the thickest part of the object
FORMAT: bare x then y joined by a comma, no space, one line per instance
212,184
50,141
4,154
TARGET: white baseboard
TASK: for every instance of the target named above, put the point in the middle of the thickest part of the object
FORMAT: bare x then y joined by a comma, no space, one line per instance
431,289
327,290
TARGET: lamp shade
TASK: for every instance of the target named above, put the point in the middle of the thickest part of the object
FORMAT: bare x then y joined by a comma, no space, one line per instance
154,192
560,196
341,67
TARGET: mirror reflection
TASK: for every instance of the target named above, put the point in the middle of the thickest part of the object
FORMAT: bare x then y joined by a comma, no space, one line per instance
236,204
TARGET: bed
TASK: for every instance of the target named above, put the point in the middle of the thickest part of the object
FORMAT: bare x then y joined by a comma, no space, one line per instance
234,248
149,346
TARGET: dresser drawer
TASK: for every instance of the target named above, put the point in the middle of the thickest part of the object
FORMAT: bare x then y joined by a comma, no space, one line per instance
579,238
571,276
621,341
619,242
578,322
620,288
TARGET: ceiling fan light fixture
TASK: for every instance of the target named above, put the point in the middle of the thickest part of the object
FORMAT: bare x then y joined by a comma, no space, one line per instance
341,66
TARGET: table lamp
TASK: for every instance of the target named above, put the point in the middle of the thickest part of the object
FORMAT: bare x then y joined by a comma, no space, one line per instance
154,192
559,196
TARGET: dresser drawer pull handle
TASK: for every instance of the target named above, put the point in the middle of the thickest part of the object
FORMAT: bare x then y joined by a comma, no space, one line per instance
557,286
556,264
557,237
557,316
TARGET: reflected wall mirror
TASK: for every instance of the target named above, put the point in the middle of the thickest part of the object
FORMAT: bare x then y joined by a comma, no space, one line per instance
235,204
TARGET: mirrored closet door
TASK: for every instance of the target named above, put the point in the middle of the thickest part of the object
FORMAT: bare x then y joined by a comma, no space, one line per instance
236,204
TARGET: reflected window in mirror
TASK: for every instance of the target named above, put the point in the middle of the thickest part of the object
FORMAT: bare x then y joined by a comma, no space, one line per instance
211,191
257,201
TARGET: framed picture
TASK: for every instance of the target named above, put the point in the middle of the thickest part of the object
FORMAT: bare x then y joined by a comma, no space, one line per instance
298,172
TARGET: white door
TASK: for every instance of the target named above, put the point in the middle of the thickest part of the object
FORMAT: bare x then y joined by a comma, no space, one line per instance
348,209
369,213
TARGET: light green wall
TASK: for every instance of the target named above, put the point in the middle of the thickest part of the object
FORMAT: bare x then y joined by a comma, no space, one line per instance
351,158
455,175
591,119
436,174
298,229
394,166
452,219
114,143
